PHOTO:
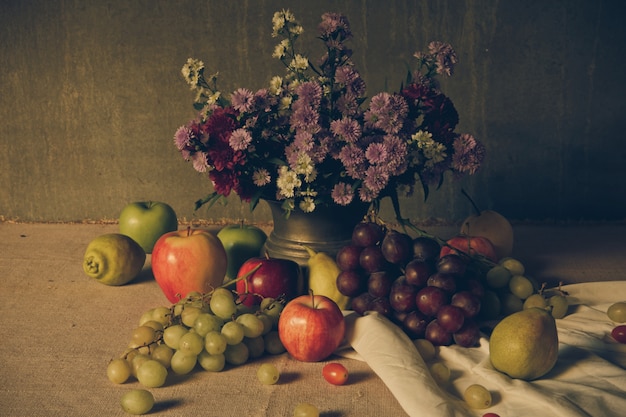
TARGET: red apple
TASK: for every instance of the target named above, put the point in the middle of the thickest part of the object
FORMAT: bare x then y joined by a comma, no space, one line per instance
311,327
471,245
188,260
273,278
493,226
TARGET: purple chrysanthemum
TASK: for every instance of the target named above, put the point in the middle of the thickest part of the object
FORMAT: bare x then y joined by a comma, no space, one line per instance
348,129
387,112
380,103
305,118
376,153
397,152
182,137
303,141
199,161
353,157
342,194
262,100
367,195
445,57
309,94
241,100
468,154
348,104
350,78
334,25
321,148
240,139
376,178
346,75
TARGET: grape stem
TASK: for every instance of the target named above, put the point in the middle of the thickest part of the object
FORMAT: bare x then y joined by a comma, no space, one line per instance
559,290
233,281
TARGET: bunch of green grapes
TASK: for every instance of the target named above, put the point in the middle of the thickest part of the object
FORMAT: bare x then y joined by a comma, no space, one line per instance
207,331
509,289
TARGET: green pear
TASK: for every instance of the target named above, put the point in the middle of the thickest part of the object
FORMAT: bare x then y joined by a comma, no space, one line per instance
323,272
525,345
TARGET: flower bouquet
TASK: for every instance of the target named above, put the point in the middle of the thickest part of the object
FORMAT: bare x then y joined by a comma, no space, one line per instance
312,137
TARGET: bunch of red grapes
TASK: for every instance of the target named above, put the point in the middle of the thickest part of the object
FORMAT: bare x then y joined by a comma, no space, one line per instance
405,279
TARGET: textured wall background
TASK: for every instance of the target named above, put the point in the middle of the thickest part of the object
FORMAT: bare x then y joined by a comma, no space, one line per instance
91,95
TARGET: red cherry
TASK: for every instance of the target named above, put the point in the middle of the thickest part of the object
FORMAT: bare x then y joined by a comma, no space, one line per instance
335,373
619,333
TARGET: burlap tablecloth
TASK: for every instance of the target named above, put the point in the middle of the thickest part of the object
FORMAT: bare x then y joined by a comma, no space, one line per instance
59,330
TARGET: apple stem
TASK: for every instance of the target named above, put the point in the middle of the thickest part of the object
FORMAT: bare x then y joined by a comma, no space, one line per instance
476,208
312,298
188,231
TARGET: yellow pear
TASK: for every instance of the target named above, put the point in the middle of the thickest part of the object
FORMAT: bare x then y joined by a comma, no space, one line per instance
525,345
323,272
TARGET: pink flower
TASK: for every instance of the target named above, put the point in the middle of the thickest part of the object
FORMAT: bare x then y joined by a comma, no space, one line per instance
316,122
342,193
347,129
240,139
468,154
242,100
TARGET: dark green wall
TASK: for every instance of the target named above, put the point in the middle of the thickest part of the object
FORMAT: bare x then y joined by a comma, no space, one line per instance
91,95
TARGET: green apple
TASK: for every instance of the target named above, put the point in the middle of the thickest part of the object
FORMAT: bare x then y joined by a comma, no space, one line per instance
146,221
241,242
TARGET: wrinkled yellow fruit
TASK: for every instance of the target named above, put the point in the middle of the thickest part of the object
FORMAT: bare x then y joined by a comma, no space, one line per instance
525,344
113,259
323,272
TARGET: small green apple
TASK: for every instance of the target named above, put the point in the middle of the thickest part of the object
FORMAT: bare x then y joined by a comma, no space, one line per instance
146,221
241,242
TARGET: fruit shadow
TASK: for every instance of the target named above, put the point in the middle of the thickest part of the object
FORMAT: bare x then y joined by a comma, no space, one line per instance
331,414
568,357
288,378
354,378
145,275
358,377
166,405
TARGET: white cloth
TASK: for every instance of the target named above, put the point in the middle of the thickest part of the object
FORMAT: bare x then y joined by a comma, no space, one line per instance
588,380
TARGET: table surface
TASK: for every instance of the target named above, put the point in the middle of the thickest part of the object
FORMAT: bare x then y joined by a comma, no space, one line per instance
60,329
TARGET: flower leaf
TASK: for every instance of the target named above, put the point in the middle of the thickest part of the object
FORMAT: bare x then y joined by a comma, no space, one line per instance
209,199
